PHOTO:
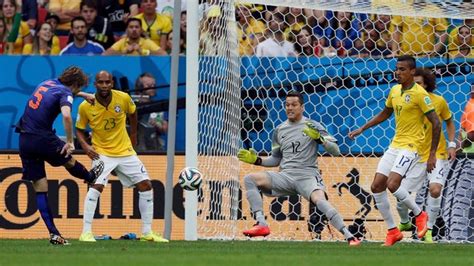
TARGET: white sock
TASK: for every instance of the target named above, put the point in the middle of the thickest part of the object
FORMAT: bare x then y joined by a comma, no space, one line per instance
403,212
402,195
434,206
381,199
90,204
145,204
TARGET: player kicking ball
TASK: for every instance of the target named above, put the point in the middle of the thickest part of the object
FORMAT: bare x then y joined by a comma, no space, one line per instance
295,149
39,143
111,143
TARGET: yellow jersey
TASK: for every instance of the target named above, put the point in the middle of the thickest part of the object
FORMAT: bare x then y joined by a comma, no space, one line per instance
162,25
443,112
248,36
410,106
109,133
145,45
55,49
23,32
418,33
453,44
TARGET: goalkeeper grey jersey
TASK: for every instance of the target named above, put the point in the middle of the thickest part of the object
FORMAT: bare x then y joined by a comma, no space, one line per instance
296,150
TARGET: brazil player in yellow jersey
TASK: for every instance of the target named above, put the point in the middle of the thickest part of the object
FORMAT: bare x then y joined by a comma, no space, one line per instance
415,178
111,143
411,104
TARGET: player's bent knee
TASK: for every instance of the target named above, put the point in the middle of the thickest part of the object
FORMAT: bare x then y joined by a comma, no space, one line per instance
70,163
144,185
98,187
435,190
393,185
41,185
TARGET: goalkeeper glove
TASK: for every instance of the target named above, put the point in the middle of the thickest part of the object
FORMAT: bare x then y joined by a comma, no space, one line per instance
249,156
313,132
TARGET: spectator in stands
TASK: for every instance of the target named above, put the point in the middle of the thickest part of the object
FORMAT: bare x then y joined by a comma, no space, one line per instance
343,31
155,26
212,42
42,42
182,45
275,44
54,21
118,12
453,35
3,36
151,126
80,44
99,29
183,27
318,20
29,13
419,36
381,23
463,43
370,44
66,10
249,30
467,126
306,43
133,43
18,31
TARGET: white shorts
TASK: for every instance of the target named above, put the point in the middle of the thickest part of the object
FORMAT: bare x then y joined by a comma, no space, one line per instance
397,160
416,177
130,170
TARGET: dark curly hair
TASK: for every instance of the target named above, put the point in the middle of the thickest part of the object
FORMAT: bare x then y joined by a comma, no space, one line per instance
428,78
73,76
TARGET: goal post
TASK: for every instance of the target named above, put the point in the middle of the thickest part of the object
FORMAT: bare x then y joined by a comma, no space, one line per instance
340,55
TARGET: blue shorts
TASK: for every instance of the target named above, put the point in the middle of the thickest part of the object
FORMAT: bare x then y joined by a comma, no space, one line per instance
35,150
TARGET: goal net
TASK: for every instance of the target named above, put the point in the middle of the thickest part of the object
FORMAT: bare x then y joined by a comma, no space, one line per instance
340,56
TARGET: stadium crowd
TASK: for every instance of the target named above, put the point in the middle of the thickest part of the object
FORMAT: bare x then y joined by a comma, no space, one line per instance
52,27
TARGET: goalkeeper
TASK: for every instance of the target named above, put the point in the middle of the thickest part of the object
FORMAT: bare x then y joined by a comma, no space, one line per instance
295,149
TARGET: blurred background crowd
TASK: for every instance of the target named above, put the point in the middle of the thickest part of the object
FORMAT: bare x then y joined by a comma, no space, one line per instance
144,27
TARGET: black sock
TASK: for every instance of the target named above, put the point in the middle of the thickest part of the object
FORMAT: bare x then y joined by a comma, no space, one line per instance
79,171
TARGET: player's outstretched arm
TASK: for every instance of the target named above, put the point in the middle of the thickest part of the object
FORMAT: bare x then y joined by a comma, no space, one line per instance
89,97
250,156
436,131
67,122
379,118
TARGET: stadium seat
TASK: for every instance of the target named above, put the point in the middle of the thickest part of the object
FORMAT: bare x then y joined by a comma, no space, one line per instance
42,12
63,41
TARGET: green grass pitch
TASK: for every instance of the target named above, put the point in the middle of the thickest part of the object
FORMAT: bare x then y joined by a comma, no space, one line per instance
226,253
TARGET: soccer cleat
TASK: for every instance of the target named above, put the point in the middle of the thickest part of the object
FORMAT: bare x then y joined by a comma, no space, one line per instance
257,230
58,240
87,237
96,171
421,226
408,226
154,238
353,241
428,236
393,236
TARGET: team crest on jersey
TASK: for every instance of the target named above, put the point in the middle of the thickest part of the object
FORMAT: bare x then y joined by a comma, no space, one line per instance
117,109
407,98
427,100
